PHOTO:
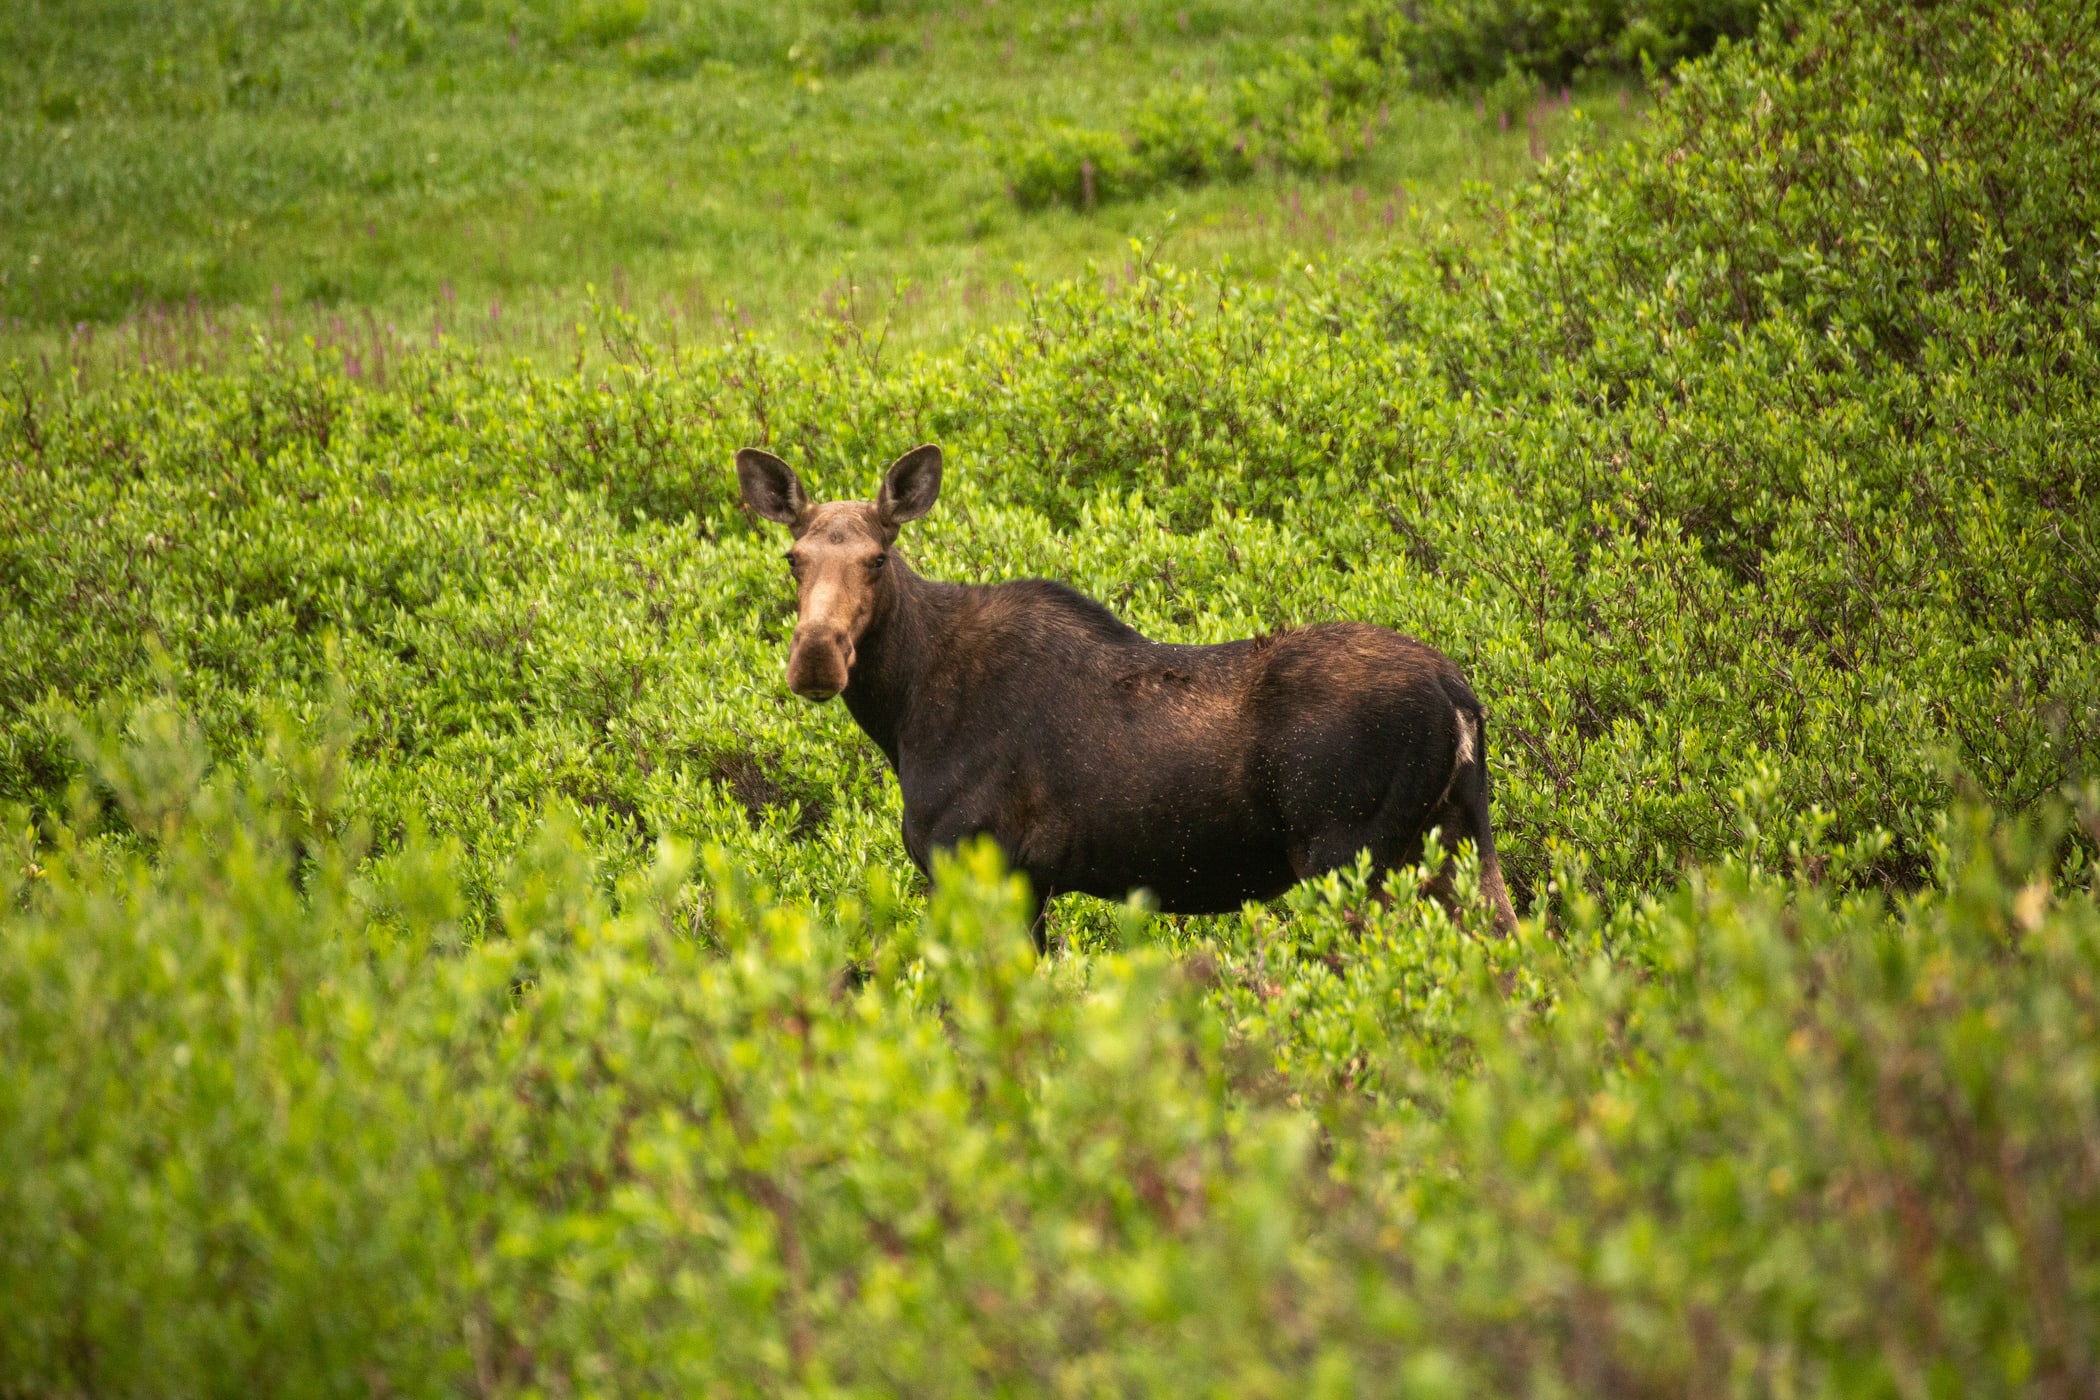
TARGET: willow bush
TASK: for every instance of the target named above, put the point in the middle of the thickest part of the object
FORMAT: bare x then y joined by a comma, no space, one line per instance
1460,42
438,954
269,1124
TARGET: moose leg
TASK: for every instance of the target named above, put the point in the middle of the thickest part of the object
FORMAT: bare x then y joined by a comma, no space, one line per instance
1463,816
1039,898
1395,833
962,825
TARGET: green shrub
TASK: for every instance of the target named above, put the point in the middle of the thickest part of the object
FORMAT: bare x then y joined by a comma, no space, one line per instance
1180,135
259,1122
602,22
1309,113
1177,137
1075,166
1462,42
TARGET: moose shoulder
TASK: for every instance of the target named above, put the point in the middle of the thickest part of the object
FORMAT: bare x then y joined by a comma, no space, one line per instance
1102,762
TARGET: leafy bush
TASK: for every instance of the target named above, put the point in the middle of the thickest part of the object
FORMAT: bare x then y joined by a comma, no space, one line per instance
1176,137
1311,112
1178,134
1075,166
1307,113
1457,42
382,1031
258,1123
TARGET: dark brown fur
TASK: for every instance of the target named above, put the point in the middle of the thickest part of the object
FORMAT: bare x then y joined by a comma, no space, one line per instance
1102,762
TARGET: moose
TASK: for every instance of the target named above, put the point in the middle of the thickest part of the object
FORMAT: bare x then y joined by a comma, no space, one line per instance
1102,762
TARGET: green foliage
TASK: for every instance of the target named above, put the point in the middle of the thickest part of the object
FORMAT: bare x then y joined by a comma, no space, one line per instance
1315,108
1703,503
1076,166
1308,112
1314,111
370,1022
1460,42
258,1123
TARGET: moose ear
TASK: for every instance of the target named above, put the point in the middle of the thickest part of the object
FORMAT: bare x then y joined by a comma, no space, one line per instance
910,486
770,487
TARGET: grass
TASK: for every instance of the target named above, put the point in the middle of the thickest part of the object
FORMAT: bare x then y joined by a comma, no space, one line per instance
491,181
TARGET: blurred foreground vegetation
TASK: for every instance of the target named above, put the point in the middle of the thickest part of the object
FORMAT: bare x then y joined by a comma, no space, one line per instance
438,956
267,1123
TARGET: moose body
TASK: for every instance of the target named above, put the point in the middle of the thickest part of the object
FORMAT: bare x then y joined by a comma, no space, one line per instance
1102,762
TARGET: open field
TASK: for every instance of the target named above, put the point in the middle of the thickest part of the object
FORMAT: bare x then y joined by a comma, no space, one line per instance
299,170
437,955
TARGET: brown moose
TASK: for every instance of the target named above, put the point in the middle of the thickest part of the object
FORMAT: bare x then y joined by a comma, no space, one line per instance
1103,762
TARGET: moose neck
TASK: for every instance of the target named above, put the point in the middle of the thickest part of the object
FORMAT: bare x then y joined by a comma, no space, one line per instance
891,658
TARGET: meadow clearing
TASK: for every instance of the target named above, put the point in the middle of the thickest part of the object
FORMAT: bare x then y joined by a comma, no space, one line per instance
386,173
438,955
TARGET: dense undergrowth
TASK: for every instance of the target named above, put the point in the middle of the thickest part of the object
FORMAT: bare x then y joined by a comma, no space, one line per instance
1496,41
266,1131
371,1024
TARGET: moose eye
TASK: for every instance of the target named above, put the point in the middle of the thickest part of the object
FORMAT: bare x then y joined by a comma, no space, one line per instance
878,561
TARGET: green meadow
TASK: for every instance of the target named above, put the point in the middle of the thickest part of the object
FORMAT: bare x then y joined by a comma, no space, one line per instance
439,957
495,173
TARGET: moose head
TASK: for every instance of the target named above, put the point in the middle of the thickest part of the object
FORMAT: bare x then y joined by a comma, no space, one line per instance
840,557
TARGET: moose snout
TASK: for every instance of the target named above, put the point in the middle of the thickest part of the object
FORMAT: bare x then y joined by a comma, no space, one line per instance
820,658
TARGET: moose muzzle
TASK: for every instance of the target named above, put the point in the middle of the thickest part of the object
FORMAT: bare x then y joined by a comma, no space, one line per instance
820,658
